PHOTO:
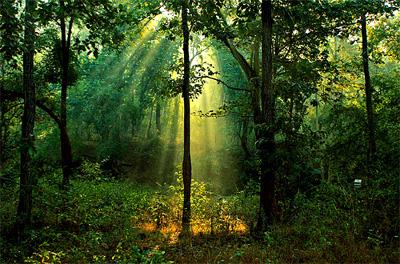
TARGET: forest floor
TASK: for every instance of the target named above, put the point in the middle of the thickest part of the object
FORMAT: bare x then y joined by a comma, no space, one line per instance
118,222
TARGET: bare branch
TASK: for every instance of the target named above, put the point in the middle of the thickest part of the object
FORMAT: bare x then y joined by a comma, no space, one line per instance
224,83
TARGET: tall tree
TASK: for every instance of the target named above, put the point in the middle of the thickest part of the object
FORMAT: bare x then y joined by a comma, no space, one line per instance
262,97
66,152
104,21
368,90
359,9
266,133
28,122
302,26
186,164
158,117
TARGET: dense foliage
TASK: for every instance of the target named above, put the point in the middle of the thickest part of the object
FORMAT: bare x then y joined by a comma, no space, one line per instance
105,156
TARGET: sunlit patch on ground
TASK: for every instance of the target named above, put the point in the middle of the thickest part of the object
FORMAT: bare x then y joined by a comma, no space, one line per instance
170,231
148,227
241,228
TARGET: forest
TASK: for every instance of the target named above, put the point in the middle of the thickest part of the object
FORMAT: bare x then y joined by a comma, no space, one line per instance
199,131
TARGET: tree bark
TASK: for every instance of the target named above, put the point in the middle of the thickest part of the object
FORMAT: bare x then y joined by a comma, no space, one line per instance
256,59
66,150
186,164
266,132
2,127
28,122
368,91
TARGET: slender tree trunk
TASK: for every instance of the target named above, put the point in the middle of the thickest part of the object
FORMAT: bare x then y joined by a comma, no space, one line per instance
28,122
66,154
316,112
2,123
66,150
256,57
186,164
266,146
2,127
368,91
150,122
158,118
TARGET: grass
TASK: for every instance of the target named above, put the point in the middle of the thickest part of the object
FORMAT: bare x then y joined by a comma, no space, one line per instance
101,221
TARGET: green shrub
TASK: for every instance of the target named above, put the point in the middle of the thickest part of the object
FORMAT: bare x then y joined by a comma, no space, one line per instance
91,171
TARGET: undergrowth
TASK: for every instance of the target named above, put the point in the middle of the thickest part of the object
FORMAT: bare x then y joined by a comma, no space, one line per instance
102,220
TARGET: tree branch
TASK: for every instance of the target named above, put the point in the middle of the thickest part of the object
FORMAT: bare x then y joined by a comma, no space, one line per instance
244,64
13,95
224,83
